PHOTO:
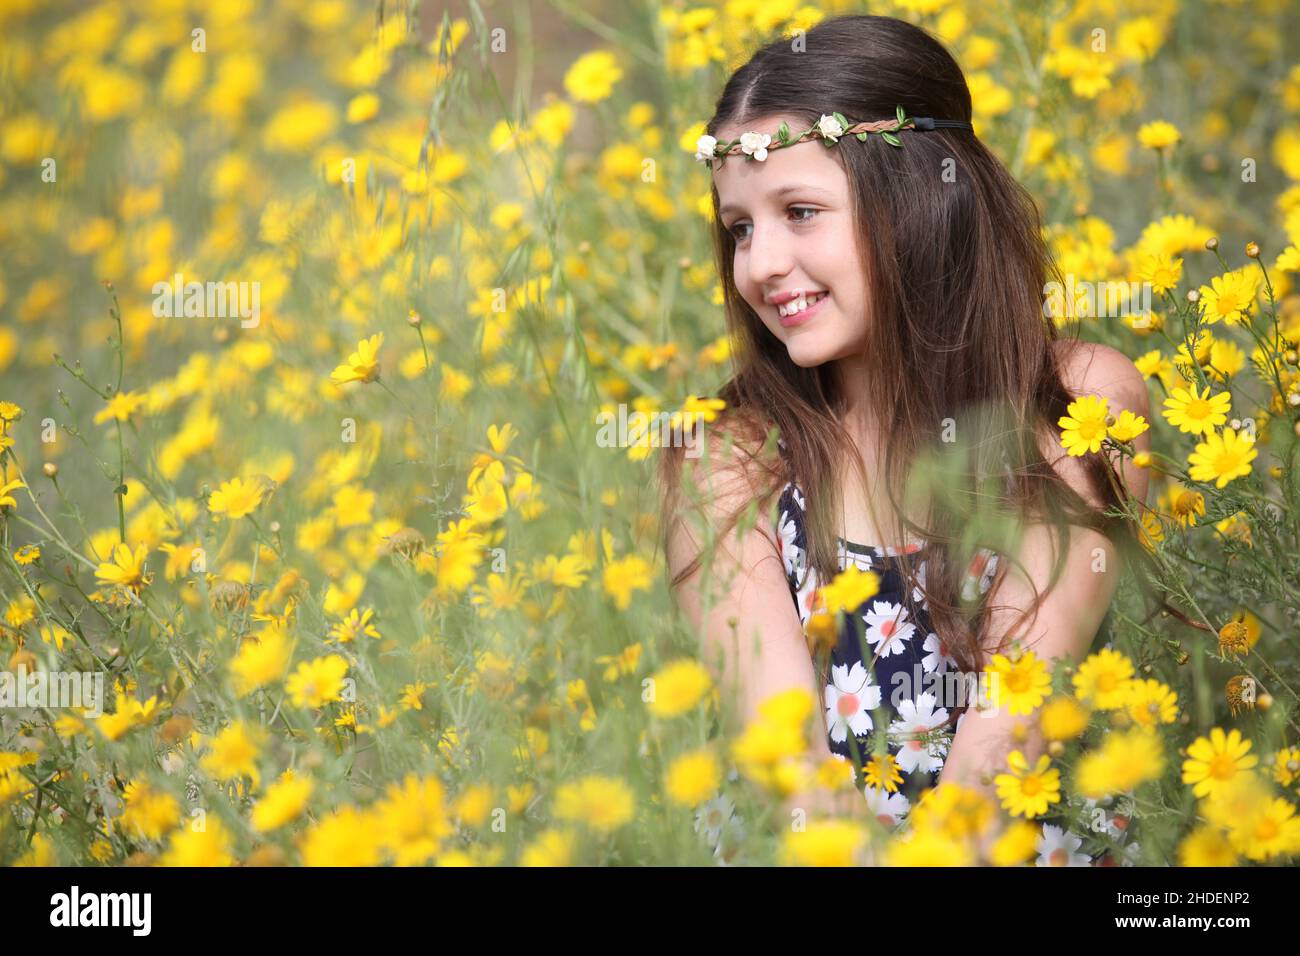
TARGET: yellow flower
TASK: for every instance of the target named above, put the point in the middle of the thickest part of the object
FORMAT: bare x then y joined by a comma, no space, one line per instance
347,837
236,498
412,820
262,658
282,803
624,576
1271,830
1222,458
1207,845
234,752
148,813
1229,296
1161,272
1214,761
6,499
126,569
1158,135
363,364
551,848
1016,845
120,407
318,682
602,803
693,778
1102,679
849,589
207,847
1196,413
1084,427
1151,703
1027,791
592,76
1021,684
678,687
1128,426
929,847
1124,761
353,626
824,843
1062,718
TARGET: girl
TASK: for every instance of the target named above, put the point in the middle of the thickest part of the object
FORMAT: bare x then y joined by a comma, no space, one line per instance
884,278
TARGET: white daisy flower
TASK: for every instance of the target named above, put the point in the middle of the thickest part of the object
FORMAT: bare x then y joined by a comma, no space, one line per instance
919,717
887,625
755,144
850,697
937,654
704,147
830,128
1058,847
918,596
712,816
888,808
786,529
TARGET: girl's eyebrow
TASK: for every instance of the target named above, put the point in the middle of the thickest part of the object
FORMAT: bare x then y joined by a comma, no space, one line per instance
781,193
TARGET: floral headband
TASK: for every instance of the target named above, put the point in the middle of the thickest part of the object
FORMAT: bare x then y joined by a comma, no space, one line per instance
829,129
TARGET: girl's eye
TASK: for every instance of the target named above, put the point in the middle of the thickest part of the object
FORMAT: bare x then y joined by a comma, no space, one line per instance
740,236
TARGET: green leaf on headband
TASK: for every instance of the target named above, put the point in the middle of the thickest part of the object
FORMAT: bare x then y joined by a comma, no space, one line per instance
783,132
898,111
842,121
862,137
891,139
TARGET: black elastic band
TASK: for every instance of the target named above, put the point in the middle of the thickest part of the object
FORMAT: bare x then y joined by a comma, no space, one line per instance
929,122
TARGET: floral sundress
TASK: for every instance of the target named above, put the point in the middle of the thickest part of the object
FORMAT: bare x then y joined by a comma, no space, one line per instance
891,682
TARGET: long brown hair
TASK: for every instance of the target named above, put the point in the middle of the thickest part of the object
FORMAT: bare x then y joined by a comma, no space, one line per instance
962,369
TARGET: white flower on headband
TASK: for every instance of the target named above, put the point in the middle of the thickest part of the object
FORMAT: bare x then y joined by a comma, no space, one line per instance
755,144
830,128
704,147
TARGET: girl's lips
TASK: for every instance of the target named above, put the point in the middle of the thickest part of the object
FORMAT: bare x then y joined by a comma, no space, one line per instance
788,321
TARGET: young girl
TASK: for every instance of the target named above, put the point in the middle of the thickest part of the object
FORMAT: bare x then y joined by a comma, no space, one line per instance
884,279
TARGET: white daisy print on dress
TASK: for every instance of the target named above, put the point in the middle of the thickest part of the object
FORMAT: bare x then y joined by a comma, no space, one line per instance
786,530
850,698
937,655
915,718
887,628
1058,847
888,808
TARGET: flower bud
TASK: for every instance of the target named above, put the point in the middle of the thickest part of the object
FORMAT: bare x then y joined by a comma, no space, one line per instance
51,469
1212,243
1193,296
1252,250
413,318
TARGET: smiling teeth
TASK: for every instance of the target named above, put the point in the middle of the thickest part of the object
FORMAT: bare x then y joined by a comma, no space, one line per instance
797,305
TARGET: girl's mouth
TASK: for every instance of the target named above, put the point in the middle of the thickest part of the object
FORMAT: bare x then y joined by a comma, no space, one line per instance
801,309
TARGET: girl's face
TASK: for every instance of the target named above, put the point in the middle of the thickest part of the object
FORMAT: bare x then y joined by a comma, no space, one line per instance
792,220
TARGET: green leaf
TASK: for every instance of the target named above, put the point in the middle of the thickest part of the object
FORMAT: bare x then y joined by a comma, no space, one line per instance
842,121
862,137
891,139
783,132
898,111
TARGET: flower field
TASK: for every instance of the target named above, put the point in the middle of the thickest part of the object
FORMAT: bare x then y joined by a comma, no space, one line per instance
310,315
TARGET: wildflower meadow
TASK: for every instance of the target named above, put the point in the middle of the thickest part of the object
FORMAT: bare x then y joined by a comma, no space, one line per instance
330,333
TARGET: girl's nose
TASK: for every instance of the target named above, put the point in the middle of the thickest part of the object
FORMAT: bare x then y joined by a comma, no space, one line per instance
769,255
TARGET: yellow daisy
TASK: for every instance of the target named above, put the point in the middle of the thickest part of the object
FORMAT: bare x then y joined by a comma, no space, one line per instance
1102,679
1197,414
1028,791
1214,761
